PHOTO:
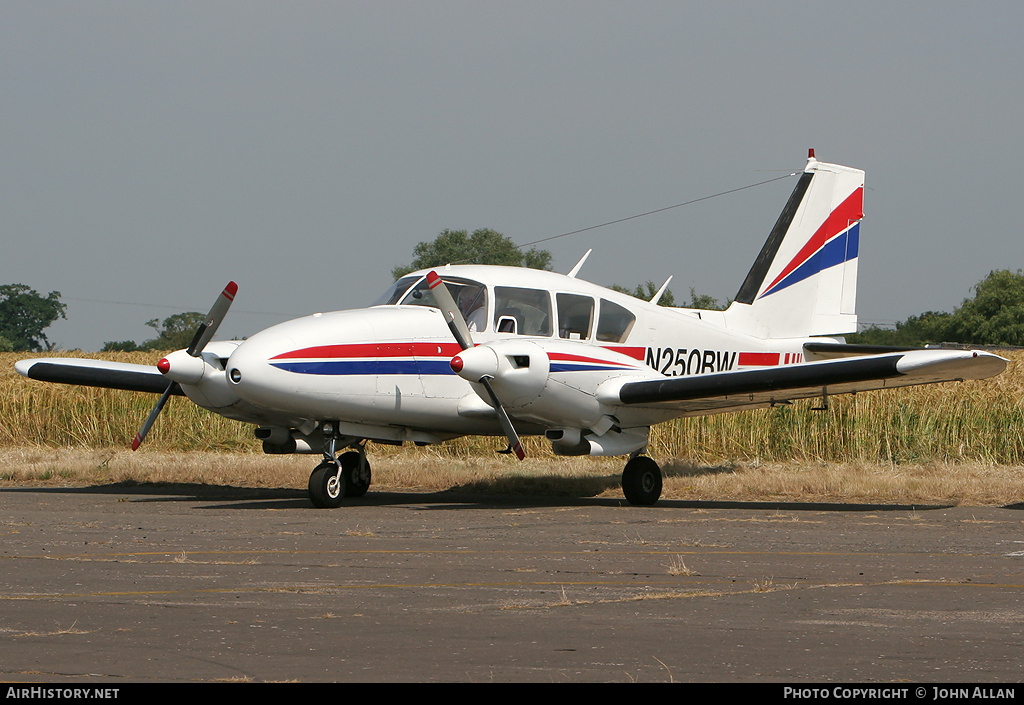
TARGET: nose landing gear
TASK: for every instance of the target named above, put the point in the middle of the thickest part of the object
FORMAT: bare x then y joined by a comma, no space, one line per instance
336,478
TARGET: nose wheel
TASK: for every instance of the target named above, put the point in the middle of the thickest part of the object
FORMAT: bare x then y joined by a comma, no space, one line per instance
326,485
333,480
336,478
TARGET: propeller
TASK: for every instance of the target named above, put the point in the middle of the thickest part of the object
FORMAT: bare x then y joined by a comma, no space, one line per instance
457,325
203,335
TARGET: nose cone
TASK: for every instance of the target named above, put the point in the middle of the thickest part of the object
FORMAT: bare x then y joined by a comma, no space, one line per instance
182,368
473,363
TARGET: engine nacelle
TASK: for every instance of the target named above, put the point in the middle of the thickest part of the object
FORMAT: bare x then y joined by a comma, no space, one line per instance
202,378
550,382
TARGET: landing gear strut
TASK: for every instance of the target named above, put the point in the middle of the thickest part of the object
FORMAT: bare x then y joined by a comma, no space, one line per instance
338,477
641,481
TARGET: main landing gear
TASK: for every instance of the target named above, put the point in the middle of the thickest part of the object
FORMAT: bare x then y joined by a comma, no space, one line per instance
348,475
336,478
641,481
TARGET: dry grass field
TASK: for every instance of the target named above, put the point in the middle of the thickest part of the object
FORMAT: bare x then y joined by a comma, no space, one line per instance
960,443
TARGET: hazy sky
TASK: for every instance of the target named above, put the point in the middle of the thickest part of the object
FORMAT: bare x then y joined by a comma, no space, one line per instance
152,151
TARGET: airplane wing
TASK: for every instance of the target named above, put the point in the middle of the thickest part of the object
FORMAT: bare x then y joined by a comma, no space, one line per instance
96,373
728,391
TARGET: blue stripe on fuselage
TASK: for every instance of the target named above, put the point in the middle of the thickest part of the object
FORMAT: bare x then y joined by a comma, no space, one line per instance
367,367
568,367
401,367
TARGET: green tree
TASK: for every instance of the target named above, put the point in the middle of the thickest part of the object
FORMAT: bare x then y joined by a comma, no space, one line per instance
705,302
174,332
120,346
993,316
928,327
648,289
25,314
484,246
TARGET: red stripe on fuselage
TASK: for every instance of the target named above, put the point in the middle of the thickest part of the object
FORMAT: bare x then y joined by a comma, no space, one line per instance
565,357
758,359
355,350
635,353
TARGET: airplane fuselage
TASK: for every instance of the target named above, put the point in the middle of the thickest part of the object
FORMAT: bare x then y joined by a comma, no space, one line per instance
384,372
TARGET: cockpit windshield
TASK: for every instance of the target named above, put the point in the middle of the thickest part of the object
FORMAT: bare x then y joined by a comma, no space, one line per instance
470,296
394,293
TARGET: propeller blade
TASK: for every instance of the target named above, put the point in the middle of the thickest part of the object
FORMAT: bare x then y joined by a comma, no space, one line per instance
206,331
514,445
203,336
452,315
457,325
141,435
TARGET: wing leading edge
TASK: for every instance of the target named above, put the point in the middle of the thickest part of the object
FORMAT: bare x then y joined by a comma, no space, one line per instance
96,373
760,387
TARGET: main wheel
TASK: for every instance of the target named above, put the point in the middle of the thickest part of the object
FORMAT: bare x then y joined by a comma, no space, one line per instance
326,489
641,481
356,482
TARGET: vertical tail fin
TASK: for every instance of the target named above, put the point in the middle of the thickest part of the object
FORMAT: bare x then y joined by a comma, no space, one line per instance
804,281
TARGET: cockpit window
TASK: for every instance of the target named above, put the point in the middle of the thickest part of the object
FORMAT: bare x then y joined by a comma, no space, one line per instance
522,311
614,323
394,293
470,297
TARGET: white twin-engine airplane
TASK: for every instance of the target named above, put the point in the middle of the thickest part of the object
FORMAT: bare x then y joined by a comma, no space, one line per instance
488,350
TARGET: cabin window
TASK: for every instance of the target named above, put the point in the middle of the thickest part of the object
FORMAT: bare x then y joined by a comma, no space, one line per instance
470,297
614,323
522,311
575,316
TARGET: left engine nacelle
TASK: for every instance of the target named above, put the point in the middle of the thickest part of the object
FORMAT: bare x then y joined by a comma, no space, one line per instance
202,378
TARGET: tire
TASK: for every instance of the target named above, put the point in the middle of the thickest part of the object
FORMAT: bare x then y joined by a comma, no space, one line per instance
325,492
641,481
355,485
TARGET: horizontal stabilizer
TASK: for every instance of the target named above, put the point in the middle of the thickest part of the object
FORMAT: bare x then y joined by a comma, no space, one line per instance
831,351
96,373
729,391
